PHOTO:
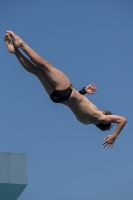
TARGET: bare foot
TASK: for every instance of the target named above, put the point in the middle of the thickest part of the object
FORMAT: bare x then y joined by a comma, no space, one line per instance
9,43
18,42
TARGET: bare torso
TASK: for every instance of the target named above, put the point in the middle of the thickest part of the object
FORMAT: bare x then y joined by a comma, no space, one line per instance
85,111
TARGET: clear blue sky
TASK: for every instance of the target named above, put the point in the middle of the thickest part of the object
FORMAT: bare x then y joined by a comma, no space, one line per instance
90,41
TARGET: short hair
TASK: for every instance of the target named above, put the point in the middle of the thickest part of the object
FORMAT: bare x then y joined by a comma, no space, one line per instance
102,126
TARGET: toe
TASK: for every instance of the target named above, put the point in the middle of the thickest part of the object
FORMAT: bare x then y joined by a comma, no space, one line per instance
11,33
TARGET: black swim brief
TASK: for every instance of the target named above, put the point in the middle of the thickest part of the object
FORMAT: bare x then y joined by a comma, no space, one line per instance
59,96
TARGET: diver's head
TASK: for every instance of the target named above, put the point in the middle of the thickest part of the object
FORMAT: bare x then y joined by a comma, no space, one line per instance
105,127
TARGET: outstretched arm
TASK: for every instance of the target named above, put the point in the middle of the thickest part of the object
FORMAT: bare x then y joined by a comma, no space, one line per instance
90,89
121,121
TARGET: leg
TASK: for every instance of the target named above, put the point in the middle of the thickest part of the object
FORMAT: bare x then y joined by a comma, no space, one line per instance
30,67
56,77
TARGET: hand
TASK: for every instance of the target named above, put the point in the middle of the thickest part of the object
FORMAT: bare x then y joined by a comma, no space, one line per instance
90,89
109,141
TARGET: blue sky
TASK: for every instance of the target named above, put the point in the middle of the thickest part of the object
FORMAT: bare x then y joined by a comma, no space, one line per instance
90,41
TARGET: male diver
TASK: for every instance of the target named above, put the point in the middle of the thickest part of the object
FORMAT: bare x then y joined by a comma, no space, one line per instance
60,90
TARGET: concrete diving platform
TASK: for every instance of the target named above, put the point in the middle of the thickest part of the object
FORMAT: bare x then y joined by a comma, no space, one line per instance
13,175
